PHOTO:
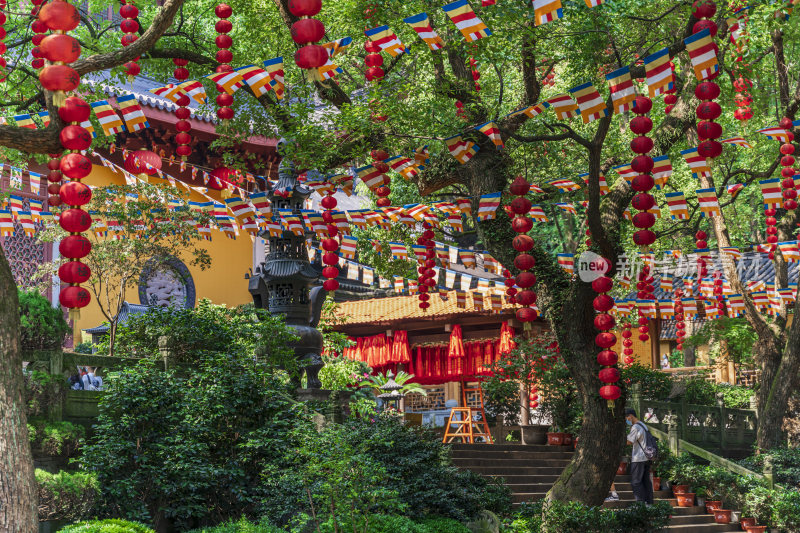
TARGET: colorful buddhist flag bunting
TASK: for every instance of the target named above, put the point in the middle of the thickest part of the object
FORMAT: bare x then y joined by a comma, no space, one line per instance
460,149
564,106
348,246
789,251
567,262
626,172
771,189
194,90
678,209
568,207
45,118
108,118
737,141
602,180
421,157
546,11
34,182
169,91
622,89
132,113
229,81
666,308
339,46
25,121
660,78
537,213
593,3
530,111
467,258
775,134
667,282
709,204
732,252
256,78
703,54
454,219
465,19
386,40
371,176
87,125
662,170
734,189
491,130
697,163
274,68
403,166
487,206
564,185
591,104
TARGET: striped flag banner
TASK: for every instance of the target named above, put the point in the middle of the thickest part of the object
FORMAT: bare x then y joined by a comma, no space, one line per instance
45,118
564,185
697,163
655,211
790,251
169,91
108,118
465,19
25,121
491,130
229,81
465,205
403,166
487,206
535,188
416,211
678,209
421,157
329,69
567,262
348,247
732,252
602,180
274,68
566,206
256,78
662,170
132,113
771,189
537,213
737,141
775,134
530,111
591,104
737,26
422,25
386,40
622,90
734,189
467,258
703,54
564,106
626,172
666,308
35,183
455,221
709,204
660,78
87,125
339,46
194,90
371,176
460,149
546,11
667,282
593,3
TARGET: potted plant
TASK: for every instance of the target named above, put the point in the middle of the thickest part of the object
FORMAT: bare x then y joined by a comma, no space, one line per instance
700,493
662,466
758,505
558,397
682,473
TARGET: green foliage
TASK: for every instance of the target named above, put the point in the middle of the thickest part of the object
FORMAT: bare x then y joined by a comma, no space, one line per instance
676,359
66,495
107,526
241,526
654,385
736,332
341,373
83,347
786,511
382,523
54,438
42,326
205,329
758,504
190,445
442,525
402,378
574,517
334,342
558,393
43,392
785,464
662,466
702,392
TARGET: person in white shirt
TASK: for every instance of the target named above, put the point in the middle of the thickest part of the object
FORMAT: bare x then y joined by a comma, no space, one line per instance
665,361
640,466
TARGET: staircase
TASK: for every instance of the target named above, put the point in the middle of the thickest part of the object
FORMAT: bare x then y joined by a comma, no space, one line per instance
530,471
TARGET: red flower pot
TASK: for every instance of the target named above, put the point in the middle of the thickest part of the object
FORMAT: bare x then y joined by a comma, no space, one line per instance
756,529
567,439
555,439
712,505
722,516
686,499
622,469
656,483
747,522
680,489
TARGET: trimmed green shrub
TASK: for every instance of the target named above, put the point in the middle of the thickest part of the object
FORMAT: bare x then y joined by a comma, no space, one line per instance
702,392
42,326
654,384
786,511
107,526
241,526
54,438
443,525
785,464
66,495
42,391
574,517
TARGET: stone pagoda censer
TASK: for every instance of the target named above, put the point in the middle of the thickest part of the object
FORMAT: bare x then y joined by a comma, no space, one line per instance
282,282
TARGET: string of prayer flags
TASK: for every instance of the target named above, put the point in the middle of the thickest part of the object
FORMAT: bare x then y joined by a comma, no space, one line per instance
449,278
775,134
274,68
678,209
564,106
771,189
194,90
735,305
537,213
703,54
132,113
399,251
465,205
666,309
399,286
460,149
789,251
490,264
169,91
386,40
567,262
422,25
736,141
530,111
662,170
477,300
108,118
491,130
658,72
626,172
371,176
666,282
546,11
568,207
256,78
646,308
45,117
712,309
25,121
731,252
421,157
454,219
368,276
403,166
465,282
467,22
697,163
591,104
487,206
229,81
734,189
467,258
622,90
602,181
709,204
564,185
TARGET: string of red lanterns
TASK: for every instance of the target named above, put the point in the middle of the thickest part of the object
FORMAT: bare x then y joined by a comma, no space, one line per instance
129,27
425,266
523,243
3,63
511,291
680,323
39,28
606,339
224,57
670,96
788,171
741,84
306,32
330,244
627,344
182,112
379,158
373,60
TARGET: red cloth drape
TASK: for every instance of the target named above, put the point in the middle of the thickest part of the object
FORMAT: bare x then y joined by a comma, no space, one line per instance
456,348
401,352
506,338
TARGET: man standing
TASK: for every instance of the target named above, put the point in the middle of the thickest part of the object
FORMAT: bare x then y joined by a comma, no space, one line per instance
640,465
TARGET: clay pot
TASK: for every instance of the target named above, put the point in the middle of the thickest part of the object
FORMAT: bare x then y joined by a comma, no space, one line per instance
680,489
722,516
622,469
656,483
711,505
567,439
686,499
756,529
555,439
747,522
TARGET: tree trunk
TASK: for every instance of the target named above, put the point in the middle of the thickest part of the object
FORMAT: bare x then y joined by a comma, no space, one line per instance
112,334
18,495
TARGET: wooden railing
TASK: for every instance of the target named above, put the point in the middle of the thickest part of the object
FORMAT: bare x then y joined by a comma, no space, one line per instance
710,427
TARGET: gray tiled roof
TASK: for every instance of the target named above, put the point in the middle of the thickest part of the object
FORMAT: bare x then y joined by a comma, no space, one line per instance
127,310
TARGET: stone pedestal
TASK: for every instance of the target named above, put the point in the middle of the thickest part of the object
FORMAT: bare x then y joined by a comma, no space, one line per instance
332,405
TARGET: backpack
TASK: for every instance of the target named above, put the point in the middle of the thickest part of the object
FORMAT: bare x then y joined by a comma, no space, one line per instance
650,448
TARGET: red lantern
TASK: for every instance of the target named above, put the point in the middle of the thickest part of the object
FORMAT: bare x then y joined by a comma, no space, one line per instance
524,262
75,220
74,137
610,392
59,78
305,8
74,247
59,16
74,109
311,56
60,48
74,193
74,272
143,162
609,375
74,297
